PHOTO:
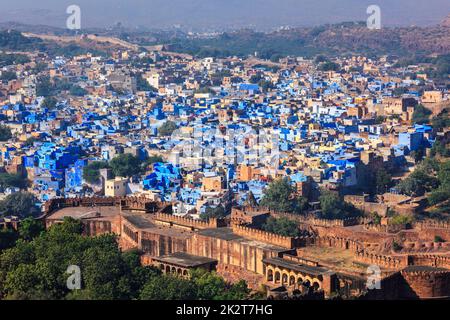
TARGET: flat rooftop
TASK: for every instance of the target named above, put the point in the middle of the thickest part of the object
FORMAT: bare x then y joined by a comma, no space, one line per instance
183,259
144,222
99,212
228,235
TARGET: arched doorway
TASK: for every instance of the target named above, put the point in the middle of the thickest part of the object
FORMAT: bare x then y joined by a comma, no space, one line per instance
277,277
284,279
270,275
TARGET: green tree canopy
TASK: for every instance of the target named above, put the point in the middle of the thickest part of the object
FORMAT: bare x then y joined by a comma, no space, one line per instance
21,204
91,172
125,165
5,133
421,114
210,212
8,180
333,207
167,128
280,196
281,226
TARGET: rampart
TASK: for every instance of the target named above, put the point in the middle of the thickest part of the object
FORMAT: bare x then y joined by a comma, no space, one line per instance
194,224
268,237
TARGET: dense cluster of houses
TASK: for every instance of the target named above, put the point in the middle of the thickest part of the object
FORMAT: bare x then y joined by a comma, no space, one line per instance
240,123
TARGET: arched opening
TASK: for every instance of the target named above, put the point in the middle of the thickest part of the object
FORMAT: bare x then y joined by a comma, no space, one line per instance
167,269
174,270
307,283
185,273
179,271
291,280
299,280
270,275
277,277
316,285
284,279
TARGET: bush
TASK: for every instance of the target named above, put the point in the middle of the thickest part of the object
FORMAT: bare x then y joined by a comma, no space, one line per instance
281,226
5,133
167,128
125,165
91,172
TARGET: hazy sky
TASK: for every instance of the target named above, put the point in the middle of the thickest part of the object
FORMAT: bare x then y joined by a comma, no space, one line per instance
222,13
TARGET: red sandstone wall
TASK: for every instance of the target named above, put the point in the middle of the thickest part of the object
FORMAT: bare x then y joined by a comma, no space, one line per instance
426,284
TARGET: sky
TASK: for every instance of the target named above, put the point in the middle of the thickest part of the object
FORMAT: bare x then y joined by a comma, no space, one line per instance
204,15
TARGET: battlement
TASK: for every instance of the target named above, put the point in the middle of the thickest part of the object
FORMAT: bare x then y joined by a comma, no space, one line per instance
189,222
311,220
431,224
268,237
127,203
382,260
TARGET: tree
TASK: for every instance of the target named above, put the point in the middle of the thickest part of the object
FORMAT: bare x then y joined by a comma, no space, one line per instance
280,196
8,75
167,128
49,103
168,288
8,180
30,228
210,212
5,133
210,286
329,66
125,165
78,91
21,204
8,238
91,172
439,148
43,87
335,208
383,180
417,183
281,226
421,114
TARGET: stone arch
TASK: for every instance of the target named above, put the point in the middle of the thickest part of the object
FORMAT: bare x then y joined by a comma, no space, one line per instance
291,280
179,271
174,270
300,279
185,272
270,275
284,278
277,277
316,284
307,281
167,269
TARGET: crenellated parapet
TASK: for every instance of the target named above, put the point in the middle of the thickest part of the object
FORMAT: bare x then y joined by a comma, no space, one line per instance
431,224
426,283
189,222
391,262
268,237
127,203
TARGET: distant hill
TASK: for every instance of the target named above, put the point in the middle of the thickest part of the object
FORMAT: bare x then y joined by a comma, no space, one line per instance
446,21
344,38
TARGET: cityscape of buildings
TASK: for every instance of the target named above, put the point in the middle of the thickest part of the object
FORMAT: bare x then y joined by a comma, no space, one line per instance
305,177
